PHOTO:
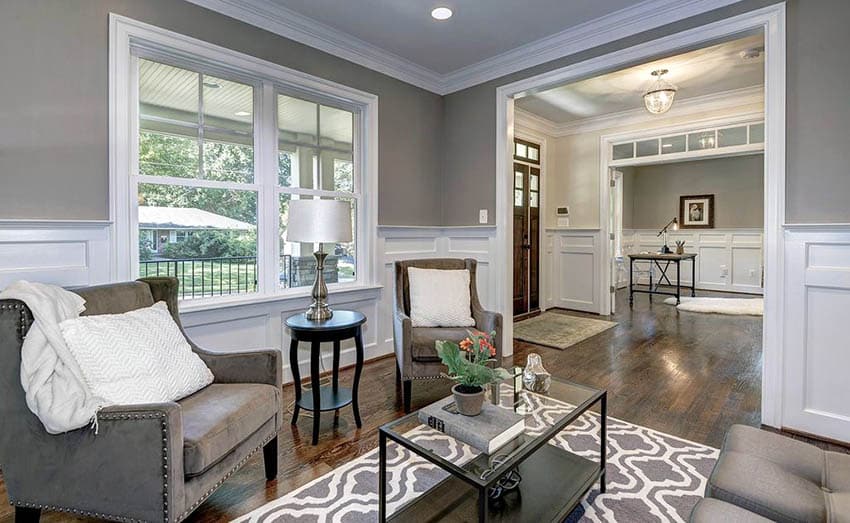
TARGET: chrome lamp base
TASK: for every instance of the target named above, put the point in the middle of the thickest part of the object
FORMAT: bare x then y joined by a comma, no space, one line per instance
319,310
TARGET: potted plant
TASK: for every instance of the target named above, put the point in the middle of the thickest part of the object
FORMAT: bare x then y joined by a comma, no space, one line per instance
468,365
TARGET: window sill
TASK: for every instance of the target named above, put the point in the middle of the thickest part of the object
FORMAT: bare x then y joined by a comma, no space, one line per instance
293,299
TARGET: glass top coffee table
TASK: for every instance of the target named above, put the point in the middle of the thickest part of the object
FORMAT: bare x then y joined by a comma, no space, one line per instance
552,480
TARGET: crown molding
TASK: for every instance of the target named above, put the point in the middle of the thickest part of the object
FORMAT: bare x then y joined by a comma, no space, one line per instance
689,106
632,20
277,19
609,28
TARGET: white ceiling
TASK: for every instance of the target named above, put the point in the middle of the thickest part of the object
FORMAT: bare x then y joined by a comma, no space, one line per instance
478,30
484,40
714,69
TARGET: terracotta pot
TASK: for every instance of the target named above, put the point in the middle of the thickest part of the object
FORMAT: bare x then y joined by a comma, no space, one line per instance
468,403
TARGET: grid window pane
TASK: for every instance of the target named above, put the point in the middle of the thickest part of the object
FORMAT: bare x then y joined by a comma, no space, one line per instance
700,141
168,155
518,177
757,133
533,153
297,120
207,238
167,93
518,198
337,128
534,182
624,150
732,136
673,144
534,199
647,148
521,150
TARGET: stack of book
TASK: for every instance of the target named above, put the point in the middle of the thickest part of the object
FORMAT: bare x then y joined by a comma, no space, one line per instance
487,432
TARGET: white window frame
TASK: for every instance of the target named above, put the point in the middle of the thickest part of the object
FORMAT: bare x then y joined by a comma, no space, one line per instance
127,39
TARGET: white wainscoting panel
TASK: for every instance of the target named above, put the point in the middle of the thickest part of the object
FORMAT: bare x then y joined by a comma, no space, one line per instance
67,253
727,259
816,352
575,256
397,243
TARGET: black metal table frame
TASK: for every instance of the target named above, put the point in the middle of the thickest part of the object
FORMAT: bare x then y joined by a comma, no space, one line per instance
654,290
601,397
316,337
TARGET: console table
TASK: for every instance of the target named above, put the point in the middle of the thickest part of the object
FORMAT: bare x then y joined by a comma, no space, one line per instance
343,325
656,259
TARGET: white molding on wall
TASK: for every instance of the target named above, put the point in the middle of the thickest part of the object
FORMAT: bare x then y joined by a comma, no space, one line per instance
728,260
817,297
632,20
689,106
574,261
62,252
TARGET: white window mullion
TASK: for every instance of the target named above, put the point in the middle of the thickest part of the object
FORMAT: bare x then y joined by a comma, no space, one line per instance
265,172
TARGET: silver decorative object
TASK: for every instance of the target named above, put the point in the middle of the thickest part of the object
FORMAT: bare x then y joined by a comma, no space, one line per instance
319,221
534,377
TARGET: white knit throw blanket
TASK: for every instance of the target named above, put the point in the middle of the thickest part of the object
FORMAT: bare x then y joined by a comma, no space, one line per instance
50,376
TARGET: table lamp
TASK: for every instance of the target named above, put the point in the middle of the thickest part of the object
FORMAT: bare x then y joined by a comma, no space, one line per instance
319,221
675,223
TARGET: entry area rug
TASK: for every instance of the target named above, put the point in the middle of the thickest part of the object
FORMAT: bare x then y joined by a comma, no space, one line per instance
559,331
651,477
730,306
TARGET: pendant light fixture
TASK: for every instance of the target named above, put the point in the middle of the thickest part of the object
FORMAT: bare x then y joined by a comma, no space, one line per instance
659,97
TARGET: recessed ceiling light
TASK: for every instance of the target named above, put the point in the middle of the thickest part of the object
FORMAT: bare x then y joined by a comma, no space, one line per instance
441,13
212,85
241,113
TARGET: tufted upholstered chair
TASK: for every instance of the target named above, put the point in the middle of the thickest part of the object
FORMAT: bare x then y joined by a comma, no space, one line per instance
147,462
415,349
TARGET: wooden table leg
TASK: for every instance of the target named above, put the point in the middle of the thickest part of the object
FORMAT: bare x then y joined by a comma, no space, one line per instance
316,388
296,377
358,368
693,277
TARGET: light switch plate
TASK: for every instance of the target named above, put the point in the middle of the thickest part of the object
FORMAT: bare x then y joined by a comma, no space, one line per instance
482,216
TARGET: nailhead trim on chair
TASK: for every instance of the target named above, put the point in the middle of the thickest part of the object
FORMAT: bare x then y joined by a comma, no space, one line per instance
209,492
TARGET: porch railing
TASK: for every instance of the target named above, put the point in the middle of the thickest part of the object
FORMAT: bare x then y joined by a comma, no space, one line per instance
204,277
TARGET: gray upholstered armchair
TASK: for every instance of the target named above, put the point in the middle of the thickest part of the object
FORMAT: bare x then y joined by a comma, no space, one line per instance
415,350
147,462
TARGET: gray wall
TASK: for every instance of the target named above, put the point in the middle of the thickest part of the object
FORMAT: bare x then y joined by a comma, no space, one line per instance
651,192
54,109
817,115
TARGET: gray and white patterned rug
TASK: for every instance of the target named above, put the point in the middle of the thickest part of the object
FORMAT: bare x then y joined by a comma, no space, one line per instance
651,476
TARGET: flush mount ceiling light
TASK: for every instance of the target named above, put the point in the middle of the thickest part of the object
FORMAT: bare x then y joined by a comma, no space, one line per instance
659,97
441,13
241,113
212,85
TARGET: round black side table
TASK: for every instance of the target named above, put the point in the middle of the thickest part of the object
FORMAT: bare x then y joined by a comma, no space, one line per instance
343,325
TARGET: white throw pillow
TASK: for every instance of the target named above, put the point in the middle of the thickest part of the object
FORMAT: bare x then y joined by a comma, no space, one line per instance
140,356
439,298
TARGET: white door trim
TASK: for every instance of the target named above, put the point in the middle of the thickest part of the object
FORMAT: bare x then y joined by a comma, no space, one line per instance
771,20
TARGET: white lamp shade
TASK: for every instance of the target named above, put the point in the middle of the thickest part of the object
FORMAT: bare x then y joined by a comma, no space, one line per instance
319,221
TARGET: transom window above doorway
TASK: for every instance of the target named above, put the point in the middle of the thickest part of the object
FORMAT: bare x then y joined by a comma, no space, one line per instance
526,151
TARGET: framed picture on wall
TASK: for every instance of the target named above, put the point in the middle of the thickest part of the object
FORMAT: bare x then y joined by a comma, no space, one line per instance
696,212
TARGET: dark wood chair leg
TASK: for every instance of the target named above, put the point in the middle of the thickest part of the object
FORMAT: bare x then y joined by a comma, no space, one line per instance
27,515
270,459
408,385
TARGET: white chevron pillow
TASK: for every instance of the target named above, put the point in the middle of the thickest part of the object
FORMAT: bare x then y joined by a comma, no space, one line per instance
140,356
439,298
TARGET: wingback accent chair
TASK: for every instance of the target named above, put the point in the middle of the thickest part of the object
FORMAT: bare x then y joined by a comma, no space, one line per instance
415,350
147,462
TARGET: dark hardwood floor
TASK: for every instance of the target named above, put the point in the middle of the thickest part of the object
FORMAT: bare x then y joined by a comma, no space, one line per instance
691,375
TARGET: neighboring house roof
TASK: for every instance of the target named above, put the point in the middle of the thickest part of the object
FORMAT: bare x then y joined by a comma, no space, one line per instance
187,218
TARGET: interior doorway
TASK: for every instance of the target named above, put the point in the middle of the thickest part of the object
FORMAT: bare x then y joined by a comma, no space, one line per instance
526,228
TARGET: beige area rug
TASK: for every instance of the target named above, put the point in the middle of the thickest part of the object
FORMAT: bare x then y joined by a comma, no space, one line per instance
730,306
559,331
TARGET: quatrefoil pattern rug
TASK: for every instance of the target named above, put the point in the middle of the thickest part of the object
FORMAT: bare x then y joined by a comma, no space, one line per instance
651,476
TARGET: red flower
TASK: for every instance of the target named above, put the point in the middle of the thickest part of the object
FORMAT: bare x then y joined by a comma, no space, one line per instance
466,345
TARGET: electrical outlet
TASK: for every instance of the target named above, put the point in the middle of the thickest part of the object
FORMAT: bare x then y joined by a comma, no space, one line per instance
752,273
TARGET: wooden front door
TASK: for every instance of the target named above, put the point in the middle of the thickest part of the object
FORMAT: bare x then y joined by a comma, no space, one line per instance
526,238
